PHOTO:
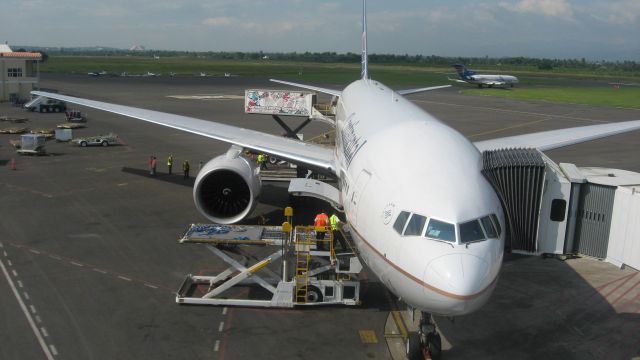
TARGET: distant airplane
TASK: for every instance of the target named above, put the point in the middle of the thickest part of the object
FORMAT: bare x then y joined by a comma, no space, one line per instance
97,73
423,217
470,76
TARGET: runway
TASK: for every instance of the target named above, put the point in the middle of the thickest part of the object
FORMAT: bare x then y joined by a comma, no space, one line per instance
89,242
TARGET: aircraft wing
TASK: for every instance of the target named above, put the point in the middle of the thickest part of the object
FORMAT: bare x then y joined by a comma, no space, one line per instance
317,156
413,91
309,87
552,139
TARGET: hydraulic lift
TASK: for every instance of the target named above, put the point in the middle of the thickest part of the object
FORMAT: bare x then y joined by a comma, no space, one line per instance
299,269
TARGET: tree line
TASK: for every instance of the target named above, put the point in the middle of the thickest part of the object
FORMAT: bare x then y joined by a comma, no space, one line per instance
349,57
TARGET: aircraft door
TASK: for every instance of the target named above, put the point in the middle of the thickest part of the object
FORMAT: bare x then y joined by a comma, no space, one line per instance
356,195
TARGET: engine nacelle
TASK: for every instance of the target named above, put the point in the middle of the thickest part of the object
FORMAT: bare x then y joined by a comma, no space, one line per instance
226,189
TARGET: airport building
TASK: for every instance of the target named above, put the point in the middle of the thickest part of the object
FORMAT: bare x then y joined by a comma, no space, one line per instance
19,73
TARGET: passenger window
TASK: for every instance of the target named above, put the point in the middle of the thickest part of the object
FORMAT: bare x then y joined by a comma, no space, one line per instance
471,231
488,227
441,230
496,222
415,225
400,221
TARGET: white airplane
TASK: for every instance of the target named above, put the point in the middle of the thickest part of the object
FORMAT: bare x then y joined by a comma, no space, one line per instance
422,216
470,76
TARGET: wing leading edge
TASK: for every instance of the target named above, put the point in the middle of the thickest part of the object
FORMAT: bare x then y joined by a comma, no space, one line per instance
552,139
316,156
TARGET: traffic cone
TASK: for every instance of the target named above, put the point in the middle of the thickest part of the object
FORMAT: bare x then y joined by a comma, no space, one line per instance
13,164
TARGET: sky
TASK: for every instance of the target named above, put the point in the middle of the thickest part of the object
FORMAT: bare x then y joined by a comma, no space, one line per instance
593,29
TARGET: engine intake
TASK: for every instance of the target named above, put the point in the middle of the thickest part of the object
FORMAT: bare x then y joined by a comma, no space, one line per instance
226,189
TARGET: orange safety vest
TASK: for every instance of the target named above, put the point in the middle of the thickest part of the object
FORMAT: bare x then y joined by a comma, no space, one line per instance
321,219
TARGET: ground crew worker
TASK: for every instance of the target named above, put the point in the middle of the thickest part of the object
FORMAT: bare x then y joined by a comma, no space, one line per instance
154,163
262,161
185,169
151,165
337,235
321,220
170,163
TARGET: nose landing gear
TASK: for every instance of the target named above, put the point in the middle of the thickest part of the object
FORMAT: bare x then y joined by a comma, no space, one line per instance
424,342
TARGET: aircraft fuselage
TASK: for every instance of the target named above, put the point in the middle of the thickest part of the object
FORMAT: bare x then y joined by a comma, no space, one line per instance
392,157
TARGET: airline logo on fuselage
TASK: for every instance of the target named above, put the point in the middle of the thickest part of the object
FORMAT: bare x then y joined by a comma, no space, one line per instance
351,141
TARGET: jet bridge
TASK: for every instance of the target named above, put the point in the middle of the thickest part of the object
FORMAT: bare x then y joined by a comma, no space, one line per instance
562,209
295,268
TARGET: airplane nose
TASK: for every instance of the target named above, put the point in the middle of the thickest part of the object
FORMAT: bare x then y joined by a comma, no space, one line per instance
459,274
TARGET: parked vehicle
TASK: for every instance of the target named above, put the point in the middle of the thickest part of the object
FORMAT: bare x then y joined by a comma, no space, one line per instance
99,140
45,105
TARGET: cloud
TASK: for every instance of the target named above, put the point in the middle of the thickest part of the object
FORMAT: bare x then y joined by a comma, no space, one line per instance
218,21
553,8
616,13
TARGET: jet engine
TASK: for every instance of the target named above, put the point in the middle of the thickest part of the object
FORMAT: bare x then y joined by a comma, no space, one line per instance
226,188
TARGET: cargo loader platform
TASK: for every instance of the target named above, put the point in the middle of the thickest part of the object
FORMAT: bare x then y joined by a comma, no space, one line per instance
295,269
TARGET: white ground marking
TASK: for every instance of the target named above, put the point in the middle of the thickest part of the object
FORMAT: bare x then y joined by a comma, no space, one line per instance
33,309
100,271
19,283
124,278
43,345
76,264
55,257
151,286
54,351
9,263
1,245
5,253
216,347
224,310
44,332
15,273
221,326
38,320
34,251
26,295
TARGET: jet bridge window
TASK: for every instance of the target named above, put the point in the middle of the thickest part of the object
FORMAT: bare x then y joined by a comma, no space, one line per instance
441,230
488,227
471,231
415,225
401,220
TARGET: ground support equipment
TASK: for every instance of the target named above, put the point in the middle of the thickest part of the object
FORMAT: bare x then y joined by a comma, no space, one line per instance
296,271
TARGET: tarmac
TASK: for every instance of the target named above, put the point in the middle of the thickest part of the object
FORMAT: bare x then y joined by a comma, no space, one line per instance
91,264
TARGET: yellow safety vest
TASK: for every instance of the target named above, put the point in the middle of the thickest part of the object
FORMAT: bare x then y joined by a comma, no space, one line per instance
170,161
334,220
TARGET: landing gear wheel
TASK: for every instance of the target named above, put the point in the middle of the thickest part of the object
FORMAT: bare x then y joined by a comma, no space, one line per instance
414,347
314,295
104,143
434,344
83,144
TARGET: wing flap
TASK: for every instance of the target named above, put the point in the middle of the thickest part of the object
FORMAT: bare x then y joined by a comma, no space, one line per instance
553,139
317,156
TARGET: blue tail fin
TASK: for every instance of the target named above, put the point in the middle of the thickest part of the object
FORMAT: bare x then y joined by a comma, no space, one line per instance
463,72
364,73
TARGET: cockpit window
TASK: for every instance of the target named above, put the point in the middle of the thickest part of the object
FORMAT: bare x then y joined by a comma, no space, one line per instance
471,231
488,227
496,223
398,226
441,230
415,225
